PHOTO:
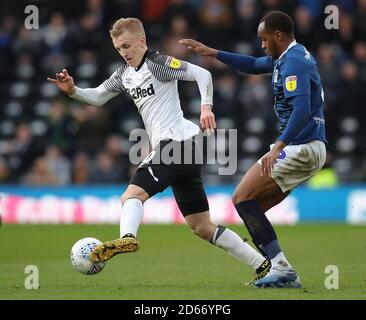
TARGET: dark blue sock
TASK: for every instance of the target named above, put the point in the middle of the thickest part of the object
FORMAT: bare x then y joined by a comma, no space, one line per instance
259,227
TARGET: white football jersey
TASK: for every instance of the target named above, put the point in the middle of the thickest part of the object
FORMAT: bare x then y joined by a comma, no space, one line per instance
153,86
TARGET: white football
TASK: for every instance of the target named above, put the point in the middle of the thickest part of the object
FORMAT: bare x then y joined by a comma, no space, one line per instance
80,256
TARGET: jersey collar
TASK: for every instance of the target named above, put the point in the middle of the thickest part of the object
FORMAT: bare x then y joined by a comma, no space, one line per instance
293,43
142,60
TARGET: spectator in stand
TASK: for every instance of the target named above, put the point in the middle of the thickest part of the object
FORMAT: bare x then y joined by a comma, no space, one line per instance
54,34
216,23
21,151
104,170
93,126
181,8
114,147
62,128
4,171
58,165
360,20
80,168
246,20
40,175
254,97
329,71
359,53
346,35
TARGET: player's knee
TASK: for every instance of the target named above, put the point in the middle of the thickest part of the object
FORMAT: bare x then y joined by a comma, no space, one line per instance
134,192
243,195
128,195
123,197
202,230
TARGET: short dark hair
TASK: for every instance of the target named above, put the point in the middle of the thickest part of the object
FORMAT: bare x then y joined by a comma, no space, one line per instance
278,21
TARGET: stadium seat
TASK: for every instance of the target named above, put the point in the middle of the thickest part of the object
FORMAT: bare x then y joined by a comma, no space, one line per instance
255,125
19,89
39,127
349,125
225,123
245,163
129,124
42,108
345,144
86,71
7,128
13,109
251,144
48,90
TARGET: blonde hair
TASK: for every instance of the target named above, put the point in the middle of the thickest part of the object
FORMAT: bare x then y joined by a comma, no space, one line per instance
133,25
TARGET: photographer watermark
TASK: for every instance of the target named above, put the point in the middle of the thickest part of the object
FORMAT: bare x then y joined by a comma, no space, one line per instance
32,279
331,282
332,20
32,20
218,149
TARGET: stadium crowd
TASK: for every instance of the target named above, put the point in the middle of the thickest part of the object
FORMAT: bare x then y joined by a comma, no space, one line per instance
48,139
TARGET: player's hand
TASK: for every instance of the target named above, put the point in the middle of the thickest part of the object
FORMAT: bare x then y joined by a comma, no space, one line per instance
64,81
199,48
207,120
269,159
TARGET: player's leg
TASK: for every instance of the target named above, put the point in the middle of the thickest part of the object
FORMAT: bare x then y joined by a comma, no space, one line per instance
254,195
132,201
297,164
196,213
228,240
132,212
148,180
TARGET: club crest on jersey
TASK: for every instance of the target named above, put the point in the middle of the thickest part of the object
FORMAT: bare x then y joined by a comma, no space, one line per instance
291,83
174,63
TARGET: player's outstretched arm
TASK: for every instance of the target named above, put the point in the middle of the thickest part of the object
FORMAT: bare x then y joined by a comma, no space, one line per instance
199,48
239,62
93,96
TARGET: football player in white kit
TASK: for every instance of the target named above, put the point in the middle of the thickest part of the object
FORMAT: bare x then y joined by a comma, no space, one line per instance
151,80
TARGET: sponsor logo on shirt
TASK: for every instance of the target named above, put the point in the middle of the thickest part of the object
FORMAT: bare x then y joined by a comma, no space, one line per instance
137,93
291,83
319,120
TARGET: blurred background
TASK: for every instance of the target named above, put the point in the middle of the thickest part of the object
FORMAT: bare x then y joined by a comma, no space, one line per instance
47,139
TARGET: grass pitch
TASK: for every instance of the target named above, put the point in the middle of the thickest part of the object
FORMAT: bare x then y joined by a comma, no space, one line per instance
172,263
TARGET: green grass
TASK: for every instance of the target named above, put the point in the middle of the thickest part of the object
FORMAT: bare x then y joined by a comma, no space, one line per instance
174,264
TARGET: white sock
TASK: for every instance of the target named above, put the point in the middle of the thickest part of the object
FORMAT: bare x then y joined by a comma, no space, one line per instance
280,260
235,246
132,213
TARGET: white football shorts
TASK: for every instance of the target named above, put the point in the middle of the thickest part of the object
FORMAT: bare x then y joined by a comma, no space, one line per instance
298,163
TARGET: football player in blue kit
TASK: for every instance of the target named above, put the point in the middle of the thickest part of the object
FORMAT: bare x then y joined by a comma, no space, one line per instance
299,152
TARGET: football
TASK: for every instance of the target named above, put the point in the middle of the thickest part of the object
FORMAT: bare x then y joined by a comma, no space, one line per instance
80,253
